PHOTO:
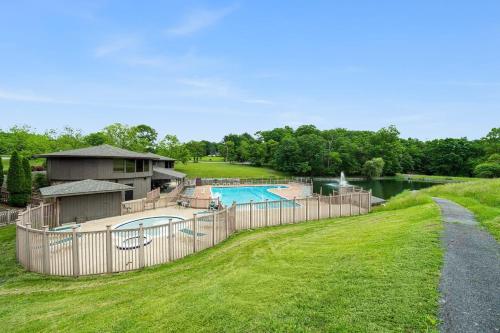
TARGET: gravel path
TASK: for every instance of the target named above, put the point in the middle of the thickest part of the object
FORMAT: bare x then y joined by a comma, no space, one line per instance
470,279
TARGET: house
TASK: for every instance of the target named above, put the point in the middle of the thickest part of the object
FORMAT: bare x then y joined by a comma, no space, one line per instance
85,200
111,164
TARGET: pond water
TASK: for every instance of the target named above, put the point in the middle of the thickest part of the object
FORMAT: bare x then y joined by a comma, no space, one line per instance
382,188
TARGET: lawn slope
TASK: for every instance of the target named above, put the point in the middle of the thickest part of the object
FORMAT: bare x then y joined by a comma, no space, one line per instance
225,170
482,197
375,273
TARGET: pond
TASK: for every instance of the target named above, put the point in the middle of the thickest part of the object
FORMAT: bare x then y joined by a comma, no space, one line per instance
382,188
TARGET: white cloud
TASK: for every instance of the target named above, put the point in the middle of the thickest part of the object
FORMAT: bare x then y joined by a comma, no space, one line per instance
258,101
10,95
199,20
114,46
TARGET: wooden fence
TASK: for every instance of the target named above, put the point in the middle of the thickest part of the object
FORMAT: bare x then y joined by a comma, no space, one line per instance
153,200
76,253
255,181
8,217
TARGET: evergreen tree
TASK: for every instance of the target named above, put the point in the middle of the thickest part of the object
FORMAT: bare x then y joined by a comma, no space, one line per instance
1,172
28,181
15,182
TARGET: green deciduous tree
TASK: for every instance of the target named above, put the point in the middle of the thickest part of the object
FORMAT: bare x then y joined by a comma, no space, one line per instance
374,167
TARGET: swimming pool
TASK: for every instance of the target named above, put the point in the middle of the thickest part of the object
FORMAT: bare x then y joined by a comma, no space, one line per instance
245,194
147,222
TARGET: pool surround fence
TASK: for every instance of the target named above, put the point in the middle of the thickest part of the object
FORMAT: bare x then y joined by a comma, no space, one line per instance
78,253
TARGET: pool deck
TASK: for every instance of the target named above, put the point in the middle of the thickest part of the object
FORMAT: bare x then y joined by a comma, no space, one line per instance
290,191
177,211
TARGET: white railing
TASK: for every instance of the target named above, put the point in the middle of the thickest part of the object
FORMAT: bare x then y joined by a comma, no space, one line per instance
76,253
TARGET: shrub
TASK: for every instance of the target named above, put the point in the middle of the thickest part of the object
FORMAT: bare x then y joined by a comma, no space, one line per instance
487,170
40,181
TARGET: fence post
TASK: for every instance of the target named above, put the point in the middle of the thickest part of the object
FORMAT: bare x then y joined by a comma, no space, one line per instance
251,214
369,201
170,245
194,232
359,203
281,211
45,250
141,246
350,204
340,199
76,254
109,253
294,218
330,205
267,212
307,209
319,206
29,213
28,247
42,219
214,217
226,218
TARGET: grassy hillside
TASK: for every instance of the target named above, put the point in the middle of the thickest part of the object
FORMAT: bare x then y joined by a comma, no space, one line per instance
482,197
224,170
372,273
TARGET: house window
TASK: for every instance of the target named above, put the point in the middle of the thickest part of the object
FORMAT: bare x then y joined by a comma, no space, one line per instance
130,165
139,166
118,165
146,165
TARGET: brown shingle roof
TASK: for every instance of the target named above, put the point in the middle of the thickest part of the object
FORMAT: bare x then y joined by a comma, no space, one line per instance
102,151
88,186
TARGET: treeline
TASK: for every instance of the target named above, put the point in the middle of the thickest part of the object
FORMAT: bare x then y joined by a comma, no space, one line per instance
302,151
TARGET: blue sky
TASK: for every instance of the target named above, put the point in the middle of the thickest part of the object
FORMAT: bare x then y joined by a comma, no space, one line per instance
203,69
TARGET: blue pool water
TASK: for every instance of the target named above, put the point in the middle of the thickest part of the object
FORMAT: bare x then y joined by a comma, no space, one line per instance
244,194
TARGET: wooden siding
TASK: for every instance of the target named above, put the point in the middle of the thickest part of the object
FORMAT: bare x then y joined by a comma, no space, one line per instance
89,207
72,169
141,186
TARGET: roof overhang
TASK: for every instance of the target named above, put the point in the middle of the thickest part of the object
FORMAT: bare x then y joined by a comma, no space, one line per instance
164,173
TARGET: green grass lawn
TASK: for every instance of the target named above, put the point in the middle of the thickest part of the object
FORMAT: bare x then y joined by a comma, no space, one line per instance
225,170
372,273
212,159
482,197
435,178
34,162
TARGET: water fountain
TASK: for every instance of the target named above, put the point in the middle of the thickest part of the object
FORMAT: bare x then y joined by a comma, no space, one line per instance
342,181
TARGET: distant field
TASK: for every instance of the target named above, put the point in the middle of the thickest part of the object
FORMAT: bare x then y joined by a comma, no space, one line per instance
435,178
212,159
225,170
6,162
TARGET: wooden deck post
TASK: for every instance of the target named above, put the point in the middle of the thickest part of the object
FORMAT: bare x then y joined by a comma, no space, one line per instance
109,250
251,214
76,253
170,245
45,250
42,216
194,232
